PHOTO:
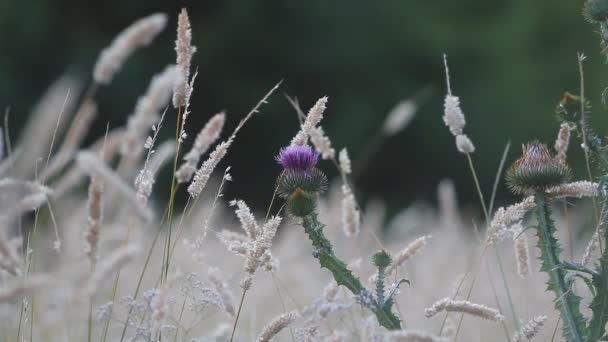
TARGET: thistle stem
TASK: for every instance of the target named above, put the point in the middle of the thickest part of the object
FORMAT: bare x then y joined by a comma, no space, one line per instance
323,251
566,301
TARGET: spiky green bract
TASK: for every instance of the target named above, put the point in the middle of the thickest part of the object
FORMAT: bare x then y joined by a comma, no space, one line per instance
323,251
566,301
313,181
596,10
301,203
536,170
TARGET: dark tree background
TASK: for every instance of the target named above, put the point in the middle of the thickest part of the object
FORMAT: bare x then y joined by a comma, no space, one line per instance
510,62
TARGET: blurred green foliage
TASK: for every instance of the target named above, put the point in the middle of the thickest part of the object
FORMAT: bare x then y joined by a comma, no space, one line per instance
510,62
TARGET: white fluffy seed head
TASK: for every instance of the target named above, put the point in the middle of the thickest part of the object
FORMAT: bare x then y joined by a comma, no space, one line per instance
201,177
322,143
562,141
315,114
522,252
399,117
505,218
530,329
351,215
464,144
139,34
278,324
477,310
205,138
184,50
578,189
453,117
345,164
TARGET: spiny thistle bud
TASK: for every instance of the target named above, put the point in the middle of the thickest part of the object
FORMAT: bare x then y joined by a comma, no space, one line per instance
381,259
300,182
536,170
596,10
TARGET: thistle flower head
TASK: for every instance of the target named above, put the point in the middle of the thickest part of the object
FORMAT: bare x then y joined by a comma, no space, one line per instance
301,182
536,170
297,158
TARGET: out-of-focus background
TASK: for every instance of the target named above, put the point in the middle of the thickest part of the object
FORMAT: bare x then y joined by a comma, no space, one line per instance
510,63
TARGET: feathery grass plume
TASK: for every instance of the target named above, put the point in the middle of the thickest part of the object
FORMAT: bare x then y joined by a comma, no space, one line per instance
44,123
95,210
184,50
505,218
399,117
148,110
139,34
578,189
522,252
315,114
530,329
74,175
447,203
258,250
108,265
464,144
345,164
146,178
202,175
453,117
351,216
221,286
322,143
594,242
413,336
19,197
24,287
90,163
407,253
473,309
160,306
248,223
205,138
277,324
563,141
73,139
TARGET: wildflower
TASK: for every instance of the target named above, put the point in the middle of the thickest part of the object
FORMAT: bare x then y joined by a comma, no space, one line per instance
297,158
536,170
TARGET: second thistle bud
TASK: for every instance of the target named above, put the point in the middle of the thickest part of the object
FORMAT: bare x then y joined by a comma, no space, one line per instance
381,259
536,170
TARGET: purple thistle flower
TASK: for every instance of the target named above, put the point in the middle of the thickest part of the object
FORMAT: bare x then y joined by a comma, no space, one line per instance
297,158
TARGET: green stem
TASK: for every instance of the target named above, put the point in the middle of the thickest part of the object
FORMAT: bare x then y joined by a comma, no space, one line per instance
567,303
238,314
323,251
